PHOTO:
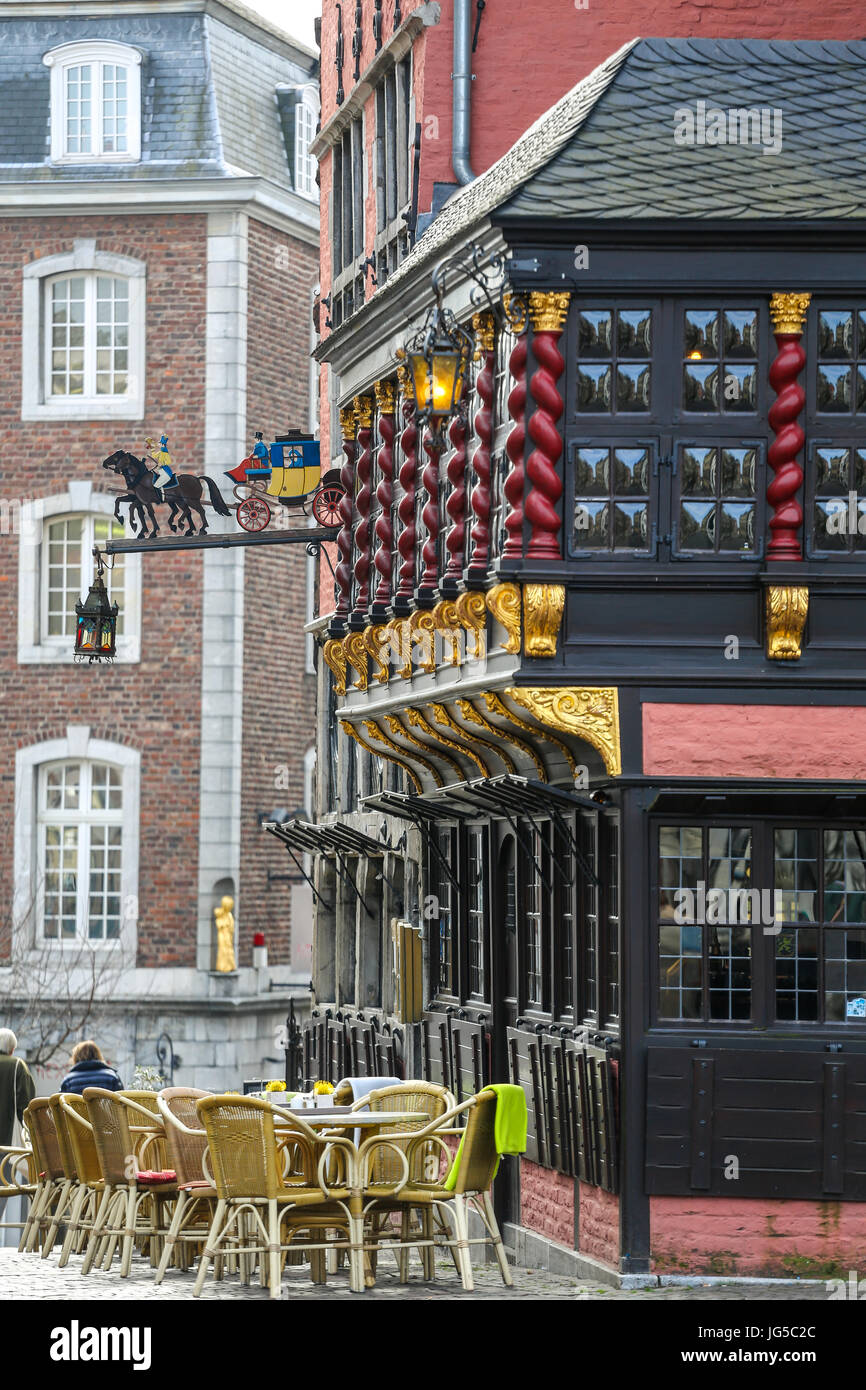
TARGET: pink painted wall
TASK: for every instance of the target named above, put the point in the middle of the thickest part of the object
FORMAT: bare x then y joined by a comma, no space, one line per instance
824,742
547,1202
598,1224
730,1235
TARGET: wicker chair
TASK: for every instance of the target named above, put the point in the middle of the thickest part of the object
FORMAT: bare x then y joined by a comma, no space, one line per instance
186,1142
251,1188
478,1164
430,1101
19,1177
131,1206
51,1180
91,1185
63,1208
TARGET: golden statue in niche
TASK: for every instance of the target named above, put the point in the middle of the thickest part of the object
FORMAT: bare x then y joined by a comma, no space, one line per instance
225,929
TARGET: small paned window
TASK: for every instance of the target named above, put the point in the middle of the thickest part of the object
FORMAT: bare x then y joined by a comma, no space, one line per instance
614,348
444,895
535,924
841,367
589,925
87,334
612,918
839,509
81,850
718,497
476,910
95,102
705,935
820,882
612,508
305,164
68,544
720,371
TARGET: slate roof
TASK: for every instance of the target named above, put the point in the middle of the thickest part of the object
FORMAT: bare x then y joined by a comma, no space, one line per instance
209,105
606,149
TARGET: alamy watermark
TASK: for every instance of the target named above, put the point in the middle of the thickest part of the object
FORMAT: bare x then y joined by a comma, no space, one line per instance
714,907
710,125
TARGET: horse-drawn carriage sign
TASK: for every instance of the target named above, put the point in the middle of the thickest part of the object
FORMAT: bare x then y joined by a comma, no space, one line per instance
286,473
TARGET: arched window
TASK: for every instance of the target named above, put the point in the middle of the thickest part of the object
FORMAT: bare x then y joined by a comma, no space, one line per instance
82,338
95,103
76,841
56,539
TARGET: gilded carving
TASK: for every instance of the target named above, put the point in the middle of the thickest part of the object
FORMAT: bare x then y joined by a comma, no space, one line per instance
396,725
446,622
786,609
384,395
788,312
356,655
473,715
421,638
376,644
335,657
347,421
496,705
589,713
472,614
548,310
397,631
363,408
420,721
543,605
443,716
484,328
388,757
503,600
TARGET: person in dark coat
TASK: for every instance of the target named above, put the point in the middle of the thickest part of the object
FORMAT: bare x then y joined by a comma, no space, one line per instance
17,1087
89,1068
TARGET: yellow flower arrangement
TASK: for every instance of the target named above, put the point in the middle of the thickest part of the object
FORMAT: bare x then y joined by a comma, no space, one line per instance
323,1088
275,1086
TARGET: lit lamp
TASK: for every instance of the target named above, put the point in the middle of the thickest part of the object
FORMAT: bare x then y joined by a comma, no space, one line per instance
96,629
438,359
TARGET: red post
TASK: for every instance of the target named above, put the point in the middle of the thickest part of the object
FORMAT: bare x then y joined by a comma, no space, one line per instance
788,312
347,505
479,535
363,407
455,504
513,486
406,505
548,313
384,559
430,517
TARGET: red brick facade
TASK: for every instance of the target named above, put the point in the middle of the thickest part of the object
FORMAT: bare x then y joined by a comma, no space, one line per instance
547,1202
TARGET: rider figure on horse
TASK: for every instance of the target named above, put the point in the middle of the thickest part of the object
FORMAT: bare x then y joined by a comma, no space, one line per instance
163,475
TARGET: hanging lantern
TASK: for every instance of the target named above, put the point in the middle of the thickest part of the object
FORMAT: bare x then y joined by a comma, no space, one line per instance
96,628
438,360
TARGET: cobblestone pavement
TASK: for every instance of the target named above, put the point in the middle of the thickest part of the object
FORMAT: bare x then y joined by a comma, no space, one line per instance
29,1277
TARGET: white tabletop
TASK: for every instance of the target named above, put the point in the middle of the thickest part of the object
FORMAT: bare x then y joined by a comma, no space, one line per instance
355,1119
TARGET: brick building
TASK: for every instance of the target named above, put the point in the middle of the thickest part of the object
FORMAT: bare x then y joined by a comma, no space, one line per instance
525,696
158,259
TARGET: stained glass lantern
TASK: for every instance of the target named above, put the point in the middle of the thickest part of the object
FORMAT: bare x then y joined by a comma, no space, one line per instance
96,627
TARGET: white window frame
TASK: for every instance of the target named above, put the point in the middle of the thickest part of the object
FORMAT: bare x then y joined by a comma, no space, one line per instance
306,108
71,55
76,747
34,646
37,403
84,819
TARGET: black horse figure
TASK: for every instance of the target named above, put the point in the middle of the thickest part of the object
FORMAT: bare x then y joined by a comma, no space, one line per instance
143,493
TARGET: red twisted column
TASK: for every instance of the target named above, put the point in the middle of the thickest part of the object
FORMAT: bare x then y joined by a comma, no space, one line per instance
548,313
479,535
344,539
363,407
788,312
513,487
455,504
406,506
430,518
384,560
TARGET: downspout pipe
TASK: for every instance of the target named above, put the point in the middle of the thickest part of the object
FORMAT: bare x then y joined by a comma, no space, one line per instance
461,79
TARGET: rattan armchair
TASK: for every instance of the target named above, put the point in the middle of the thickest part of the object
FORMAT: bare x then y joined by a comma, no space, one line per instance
19,1177
478,1163
91,1186
130,1207
259,1209
51,1181
186,1143
62,1208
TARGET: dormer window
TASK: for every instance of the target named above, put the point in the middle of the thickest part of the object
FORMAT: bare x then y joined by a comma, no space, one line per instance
306,111
95,103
